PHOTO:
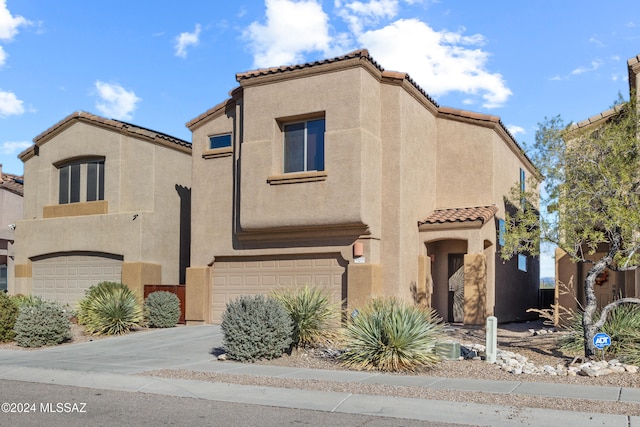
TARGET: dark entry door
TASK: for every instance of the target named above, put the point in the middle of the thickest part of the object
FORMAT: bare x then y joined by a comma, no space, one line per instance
456,288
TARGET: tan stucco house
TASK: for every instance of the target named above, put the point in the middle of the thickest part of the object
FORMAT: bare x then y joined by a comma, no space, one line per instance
613,284
11,192
105,200
341,174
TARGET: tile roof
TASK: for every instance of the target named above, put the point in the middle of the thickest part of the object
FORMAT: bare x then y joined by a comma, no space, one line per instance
13,183
116,125
478,213
361,53
598,118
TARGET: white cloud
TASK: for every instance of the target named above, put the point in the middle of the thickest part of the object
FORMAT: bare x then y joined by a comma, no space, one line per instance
441,62
9,24
359,14
8,28
117,102
10,104
581,70
291,29
184,40
13,147
516,130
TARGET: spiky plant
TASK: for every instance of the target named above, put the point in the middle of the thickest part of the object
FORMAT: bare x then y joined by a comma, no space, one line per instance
315,316
27,300
622,325
390,335
110,309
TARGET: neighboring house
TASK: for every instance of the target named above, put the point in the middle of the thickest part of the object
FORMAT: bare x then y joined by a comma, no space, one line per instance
11,191
613,284
104,200
341,174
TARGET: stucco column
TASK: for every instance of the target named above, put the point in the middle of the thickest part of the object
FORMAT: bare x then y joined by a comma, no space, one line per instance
198,295
475,289
22,282
137,274
364,281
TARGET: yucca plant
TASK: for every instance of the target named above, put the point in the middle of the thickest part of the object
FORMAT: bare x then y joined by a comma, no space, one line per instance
390,335
314,315
27,300
110,309
622,325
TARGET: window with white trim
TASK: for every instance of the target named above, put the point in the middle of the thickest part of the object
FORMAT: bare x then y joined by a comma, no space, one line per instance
304,146
81,181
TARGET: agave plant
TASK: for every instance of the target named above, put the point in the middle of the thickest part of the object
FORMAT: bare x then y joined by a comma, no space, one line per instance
390,335
315,316
110,308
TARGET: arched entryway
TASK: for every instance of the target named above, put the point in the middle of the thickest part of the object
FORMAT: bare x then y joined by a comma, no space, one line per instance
447,272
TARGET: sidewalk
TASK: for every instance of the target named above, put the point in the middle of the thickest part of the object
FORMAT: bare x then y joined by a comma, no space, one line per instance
109,363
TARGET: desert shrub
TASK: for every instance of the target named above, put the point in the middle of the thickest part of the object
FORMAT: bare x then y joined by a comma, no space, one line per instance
109,308
162,309
255,328
622,325
27,300
313,313
390,335
8,315
46,323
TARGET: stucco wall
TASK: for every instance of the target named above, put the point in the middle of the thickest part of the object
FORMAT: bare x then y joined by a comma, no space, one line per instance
143,220
337,200
408,190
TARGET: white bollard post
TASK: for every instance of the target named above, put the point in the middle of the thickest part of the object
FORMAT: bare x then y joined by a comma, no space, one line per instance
492,339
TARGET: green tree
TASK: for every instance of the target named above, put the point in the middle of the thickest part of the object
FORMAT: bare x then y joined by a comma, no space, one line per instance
592,195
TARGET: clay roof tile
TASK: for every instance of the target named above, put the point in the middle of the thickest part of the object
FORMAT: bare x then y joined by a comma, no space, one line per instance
478,213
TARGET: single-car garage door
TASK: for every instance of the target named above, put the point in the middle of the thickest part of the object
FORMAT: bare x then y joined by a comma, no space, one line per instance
64,278
233,277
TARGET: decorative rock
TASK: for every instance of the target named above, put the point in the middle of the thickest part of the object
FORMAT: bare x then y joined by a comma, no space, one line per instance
222,357
518,364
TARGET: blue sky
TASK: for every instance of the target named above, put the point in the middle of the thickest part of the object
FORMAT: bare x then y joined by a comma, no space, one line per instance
159,64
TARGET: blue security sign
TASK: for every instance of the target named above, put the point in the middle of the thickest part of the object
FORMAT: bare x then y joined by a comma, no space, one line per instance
601,340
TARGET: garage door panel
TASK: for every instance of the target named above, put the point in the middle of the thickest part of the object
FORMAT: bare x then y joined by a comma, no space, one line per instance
65,278
233,278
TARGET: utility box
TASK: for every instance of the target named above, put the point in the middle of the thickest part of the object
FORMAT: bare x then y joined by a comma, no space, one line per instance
448,350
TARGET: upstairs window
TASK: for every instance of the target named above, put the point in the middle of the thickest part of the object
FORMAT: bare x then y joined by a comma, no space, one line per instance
81,181
304,146
220,141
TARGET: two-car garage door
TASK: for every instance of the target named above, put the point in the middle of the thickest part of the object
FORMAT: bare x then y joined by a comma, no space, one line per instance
233,277
65,277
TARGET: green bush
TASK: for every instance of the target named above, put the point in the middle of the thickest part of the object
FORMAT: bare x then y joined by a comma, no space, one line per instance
313,313
389,335
8,315
162,309
255,328
622,325
42,324
109,308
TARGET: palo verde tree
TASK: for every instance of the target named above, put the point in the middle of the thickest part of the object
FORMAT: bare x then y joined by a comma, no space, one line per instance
592,196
